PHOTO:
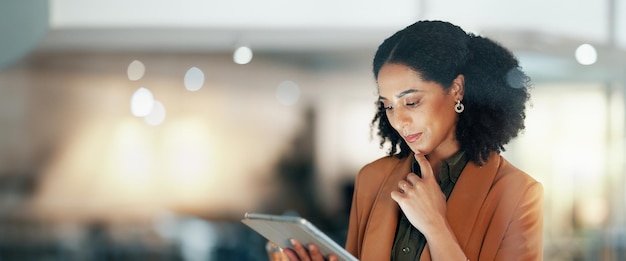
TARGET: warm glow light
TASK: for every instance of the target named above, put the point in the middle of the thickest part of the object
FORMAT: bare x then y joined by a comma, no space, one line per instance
157,115
288,93
131,159
194,79
142,102
242,55
136,70
124,167
586,54
105,166
592,211
188,158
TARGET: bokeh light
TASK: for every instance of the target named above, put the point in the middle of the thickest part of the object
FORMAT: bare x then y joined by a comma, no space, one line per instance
242,55
136,70
194,79
288,93
592,211
142,102
586,54
157,115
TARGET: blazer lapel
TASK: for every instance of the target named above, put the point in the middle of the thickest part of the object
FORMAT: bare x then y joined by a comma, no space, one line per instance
381,228
467,197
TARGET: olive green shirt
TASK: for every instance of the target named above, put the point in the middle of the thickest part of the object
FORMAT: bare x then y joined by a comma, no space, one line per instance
409,242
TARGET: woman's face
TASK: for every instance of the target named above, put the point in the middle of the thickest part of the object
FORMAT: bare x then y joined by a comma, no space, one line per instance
422,112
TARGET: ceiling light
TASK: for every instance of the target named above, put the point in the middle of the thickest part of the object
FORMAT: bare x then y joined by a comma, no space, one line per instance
136,70
586,54
288,93
194,79
142,102
157,115
242,55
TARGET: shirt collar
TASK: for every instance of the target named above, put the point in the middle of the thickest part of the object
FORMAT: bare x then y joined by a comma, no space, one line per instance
451,168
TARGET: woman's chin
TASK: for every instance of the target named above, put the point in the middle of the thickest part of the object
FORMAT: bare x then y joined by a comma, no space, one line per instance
420,151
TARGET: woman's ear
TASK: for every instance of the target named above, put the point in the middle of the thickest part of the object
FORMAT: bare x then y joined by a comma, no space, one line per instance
458,87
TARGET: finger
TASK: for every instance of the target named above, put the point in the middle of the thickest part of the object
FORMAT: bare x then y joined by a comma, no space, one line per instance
397,196
303,254
291,254
315,253
426,169
403,185
333,257
413,178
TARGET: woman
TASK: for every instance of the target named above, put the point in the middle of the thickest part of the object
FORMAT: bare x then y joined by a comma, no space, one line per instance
448,103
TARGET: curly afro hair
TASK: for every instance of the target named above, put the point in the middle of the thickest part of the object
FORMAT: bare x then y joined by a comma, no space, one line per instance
496,89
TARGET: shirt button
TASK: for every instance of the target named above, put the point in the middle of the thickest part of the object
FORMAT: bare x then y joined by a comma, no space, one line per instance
406,250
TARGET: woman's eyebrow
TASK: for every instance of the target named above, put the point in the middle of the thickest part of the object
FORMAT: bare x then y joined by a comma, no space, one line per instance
401,94
406,92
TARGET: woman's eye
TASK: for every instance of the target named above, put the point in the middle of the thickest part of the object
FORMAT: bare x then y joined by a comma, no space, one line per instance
412,103
388,107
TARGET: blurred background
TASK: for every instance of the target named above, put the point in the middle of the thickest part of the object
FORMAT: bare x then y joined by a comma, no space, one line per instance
144,130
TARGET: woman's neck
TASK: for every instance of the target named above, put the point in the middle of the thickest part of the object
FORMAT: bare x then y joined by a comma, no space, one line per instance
435,158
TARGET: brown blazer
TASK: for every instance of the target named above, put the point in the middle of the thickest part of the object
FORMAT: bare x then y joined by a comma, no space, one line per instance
495,211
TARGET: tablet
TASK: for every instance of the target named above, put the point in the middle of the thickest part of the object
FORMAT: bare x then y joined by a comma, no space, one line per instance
279,229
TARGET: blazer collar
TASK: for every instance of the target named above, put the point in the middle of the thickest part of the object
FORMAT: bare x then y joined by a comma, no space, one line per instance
381,228
463,207
467,197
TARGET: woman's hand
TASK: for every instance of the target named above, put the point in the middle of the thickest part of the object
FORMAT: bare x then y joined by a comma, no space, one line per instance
421,199
275,253
311,253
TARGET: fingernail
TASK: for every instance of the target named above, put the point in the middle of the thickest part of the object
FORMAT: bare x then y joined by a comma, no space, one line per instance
311,247
292,241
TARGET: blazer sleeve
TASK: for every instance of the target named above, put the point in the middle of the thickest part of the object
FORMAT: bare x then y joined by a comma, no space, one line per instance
523,237
367,184
354,239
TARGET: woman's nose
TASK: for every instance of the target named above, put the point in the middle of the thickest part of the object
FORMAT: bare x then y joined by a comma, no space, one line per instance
402,118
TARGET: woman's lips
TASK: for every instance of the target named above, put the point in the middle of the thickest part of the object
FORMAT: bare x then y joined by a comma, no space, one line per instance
412,138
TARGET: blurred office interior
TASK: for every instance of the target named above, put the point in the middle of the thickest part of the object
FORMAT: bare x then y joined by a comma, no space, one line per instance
142,130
